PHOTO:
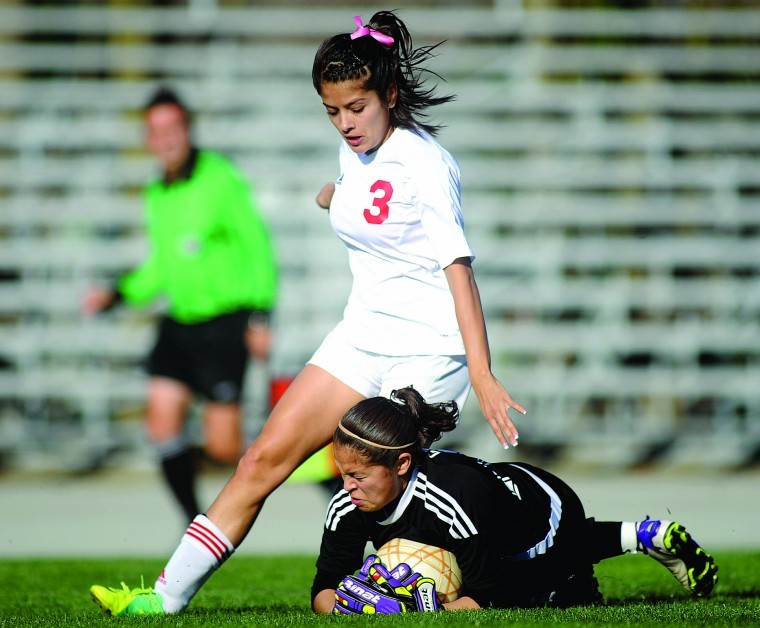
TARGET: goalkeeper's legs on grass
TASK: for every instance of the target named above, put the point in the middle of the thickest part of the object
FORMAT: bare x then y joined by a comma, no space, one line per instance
668,542
563,575
302,422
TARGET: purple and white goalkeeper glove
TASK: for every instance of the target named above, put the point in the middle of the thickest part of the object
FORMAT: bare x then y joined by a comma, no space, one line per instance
360,595
405,583
375,589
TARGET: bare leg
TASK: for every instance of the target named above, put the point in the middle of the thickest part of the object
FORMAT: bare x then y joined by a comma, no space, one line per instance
168,401
303,421
223,431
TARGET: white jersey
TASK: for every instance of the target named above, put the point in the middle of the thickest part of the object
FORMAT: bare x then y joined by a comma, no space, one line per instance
398,210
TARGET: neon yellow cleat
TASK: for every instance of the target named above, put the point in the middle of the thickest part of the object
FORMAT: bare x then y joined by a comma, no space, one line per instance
126,601
669,543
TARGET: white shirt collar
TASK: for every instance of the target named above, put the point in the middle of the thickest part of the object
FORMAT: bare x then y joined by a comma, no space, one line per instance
406,497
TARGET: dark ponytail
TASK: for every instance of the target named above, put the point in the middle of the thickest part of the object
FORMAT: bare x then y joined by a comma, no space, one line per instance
381,428
381,67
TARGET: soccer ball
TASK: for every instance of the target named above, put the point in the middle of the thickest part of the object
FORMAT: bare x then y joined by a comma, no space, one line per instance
433,562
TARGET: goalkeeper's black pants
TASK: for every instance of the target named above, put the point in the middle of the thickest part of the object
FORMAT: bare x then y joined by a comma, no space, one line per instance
564,575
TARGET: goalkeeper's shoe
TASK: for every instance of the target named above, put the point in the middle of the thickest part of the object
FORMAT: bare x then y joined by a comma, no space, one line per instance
670,543
126,601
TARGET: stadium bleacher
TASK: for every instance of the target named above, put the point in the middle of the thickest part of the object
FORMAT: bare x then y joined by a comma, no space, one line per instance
611,183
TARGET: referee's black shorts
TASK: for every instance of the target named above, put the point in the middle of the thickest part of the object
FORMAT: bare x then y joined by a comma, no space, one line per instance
209,357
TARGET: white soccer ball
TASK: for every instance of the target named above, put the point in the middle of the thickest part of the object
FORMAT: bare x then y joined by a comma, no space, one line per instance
433,562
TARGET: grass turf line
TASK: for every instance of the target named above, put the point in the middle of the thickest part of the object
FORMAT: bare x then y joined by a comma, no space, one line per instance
274,591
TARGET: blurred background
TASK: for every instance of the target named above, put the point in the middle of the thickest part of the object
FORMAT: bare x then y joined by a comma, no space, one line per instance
610,157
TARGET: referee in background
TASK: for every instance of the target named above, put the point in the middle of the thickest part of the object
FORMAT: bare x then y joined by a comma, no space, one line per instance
211,258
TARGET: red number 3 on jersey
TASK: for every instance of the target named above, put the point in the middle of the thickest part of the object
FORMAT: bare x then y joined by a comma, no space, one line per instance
379,215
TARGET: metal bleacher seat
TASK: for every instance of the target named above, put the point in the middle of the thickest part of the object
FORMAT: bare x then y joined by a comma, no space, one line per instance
610,185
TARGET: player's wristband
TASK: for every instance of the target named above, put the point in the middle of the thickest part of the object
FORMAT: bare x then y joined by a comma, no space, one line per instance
425,596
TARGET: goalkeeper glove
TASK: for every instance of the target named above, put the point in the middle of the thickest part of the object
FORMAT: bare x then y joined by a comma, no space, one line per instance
356,596
407,584
375,589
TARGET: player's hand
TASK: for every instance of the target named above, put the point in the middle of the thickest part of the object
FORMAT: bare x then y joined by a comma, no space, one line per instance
258,340
417,591
97,300
425,595
324,198
495,403
399,581
357,595
372,559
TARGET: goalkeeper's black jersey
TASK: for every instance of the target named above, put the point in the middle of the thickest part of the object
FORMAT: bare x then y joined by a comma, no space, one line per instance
488,514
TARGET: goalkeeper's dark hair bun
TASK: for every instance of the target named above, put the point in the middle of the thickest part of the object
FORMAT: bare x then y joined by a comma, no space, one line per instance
381,428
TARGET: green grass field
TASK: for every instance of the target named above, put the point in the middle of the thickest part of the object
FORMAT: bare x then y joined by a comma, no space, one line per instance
268,591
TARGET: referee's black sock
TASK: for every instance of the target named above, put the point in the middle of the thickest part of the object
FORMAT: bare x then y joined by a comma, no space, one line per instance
179,470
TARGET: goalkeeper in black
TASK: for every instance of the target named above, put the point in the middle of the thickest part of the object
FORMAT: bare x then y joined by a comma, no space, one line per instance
520,534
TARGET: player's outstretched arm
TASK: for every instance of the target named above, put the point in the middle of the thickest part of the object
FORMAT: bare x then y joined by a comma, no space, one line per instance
494,399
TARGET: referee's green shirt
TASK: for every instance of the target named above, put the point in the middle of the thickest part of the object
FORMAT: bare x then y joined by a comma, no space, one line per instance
210,250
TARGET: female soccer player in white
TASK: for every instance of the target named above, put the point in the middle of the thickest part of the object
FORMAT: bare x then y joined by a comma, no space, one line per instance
520,534
414,313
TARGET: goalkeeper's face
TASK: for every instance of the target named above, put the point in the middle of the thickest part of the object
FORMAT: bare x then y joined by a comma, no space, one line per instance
371,486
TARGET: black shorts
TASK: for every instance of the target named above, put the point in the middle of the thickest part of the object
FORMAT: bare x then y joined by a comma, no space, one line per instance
209,357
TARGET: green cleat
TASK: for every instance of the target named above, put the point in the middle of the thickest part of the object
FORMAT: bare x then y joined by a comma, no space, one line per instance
669,543
126,601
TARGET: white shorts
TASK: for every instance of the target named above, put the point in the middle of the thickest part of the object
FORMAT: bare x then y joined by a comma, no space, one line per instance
437,378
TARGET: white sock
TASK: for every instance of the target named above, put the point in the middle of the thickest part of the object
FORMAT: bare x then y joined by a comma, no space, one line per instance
202,550
629,541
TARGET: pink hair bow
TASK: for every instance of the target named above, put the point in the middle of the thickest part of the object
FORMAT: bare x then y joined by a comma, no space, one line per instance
362,30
